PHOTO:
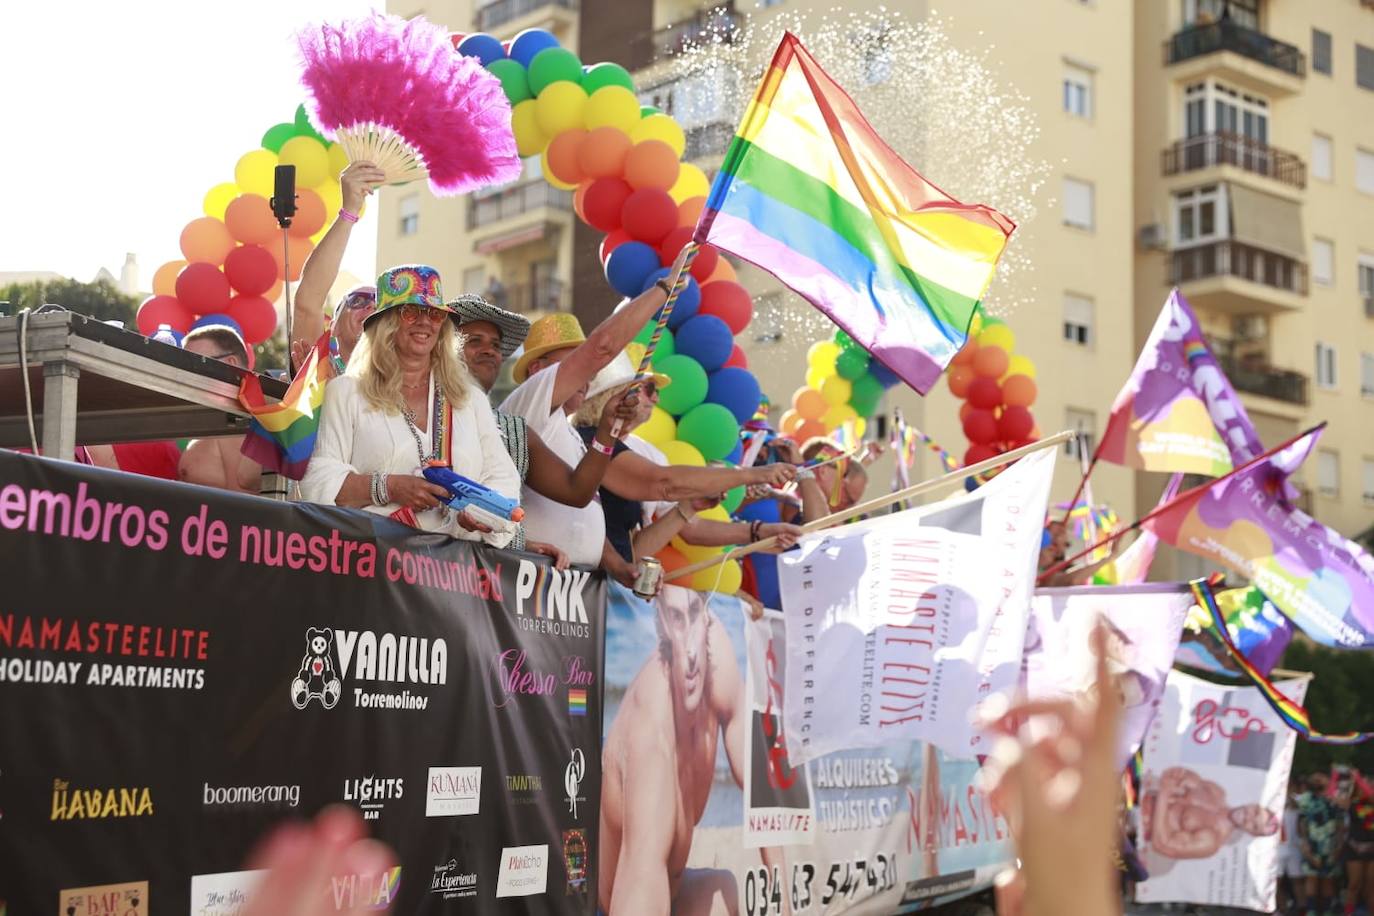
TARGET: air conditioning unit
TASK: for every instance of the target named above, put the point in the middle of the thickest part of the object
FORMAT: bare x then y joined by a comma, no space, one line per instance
1369,306
1152,236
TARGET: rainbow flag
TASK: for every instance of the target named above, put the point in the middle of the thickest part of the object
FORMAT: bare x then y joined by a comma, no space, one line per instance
577,701
282,436
810,193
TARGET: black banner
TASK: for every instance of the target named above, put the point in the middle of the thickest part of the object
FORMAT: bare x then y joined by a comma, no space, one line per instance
181,668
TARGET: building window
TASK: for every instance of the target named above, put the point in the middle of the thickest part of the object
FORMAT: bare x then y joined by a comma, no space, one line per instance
1078,203
1078,319
1078,90
1323,261
1367,374
1365,270
1364,170
474,280
1367,480
1326,366
1321,157
1364,67
410,214
1203,12
1328,473
1211,107
1083,422
1321,51
1200,215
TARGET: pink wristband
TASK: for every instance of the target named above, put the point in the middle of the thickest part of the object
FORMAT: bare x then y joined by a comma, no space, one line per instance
608,450
344,214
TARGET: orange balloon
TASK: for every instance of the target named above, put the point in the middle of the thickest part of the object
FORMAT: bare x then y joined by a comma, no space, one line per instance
1035,433
959,378
651,164
789,421
809,429
1019,391
723,271
273,294
310,214
672,559
966,353
249,219
298,249
991,362
964,410
689,211
562,156
602,153
205,239
809,403
165,280
578,197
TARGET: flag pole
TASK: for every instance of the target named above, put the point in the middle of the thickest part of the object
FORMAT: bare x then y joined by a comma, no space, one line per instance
1082,484
877,503
1165,506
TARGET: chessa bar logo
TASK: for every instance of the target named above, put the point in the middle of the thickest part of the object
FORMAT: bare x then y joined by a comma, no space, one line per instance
549,601
127,899
73,804
334,656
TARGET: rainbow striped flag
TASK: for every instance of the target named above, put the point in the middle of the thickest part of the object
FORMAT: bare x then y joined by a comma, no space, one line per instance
577,701
282,435
810,193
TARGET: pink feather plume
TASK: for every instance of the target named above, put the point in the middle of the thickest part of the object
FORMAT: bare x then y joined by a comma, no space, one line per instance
405,75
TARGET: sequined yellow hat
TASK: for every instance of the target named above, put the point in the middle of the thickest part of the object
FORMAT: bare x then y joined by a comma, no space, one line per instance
552,332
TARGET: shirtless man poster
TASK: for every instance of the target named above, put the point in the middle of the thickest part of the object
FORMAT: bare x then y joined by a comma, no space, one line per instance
1187,817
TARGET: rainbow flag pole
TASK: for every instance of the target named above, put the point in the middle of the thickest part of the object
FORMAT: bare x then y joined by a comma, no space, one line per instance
281,436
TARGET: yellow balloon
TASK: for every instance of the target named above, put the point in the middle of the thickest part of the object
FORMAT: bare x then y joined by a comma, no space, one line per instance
822,355
338,161
560,107
253,172
836,390
724,579
549,176
684,453
612,106
975,327
860,427
218,198
715,514
997,335
659,428
524,122
660,127
1021,365
838,416
309,157
691,182
815,378
332,195
694,553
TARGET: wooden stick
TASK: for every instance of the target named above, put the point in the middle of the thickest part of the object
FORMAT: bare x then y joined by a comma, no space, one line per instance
880,502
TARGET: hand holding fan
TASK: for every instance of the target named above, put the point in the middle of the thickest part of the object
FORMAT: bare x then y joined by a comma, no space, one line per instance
395,93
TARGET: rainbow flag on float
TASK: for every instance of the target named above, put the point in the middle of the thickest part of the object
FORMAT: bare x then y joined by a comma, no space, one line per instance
810,193
281,436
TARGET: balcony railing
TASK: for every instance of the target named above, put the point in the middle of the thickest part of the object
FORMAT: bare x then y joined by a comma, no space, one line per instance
514,200
1228,258
1208,150
698,28
494,15
1226,35
1257,378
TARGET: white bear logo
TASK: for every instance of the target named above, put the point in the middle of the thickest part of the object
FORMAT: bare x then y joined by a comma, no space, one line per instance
317,679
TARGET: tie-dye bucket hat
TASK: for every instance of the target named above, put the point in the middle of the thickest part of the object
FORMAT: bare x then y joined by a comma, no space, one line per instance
409,284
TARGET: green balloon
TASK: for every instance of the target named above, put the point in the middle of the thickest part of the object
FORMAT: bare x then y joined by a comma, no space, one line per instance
666,345
513,79
646,110
277,135
865,395
688,388
303,126
733,498
709,427
844,340
606,74
551,65
851,363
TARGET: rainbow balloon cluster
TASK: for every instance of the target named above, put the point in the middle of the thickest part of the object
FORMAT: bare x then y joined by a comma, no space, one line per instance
998,388
623,162
232,269
844,385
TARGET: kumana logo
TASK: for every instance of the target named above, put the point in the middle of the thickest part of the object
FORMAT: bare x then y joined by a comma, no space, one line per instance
572,779
317,679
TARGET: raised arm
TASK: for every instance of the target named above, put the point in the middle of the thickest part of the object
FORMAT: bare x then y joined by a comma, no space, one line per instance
632,476
550,476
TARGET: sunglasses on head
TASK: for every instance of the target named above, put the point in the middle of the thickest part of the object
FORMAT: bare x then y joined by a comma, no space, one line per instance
359,303
413,313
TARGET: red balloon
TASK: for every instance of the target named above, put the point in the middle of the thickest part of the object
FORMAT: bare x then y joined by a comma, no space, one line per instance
603,203
958,378
202,288
167,310
255,315
612,242
672,243
737,358
984,392
1015,424
729,302
980,427
991,362
649,215
964,410
978,452
705,264
251,270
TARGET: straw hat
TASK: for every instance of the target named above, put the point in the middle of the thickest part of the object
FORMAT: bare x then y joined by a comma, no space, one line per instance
409,284
513,328
552,332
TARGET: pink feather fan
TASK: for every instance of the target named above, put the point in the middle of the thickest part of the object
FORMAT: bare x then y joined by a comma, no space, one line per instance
395,93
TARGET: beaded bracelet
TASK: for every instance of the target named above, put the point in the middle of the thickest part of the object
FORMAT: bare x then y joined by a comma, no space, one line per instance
754,528
344,214
380,493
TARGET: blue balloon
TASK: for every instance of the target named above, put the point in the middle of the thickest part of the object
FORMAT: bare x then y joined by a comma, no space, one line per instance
629,265
736,453
735,389
688,301
707,340
884,375
529,43
486,48
765,510
217,318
